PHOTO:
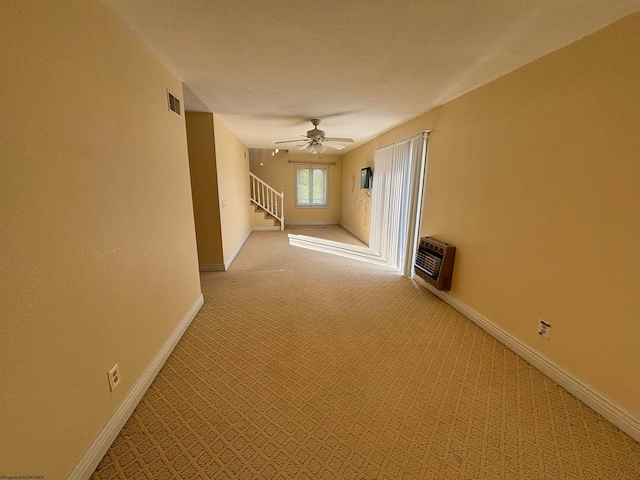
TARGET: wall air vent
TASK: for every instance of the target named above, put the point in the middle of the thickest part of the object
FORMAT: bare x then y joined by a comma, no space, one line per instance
174,103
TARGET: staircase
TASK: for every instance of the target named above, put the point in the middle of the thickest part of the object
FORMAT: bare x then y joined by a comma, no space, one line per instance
267,199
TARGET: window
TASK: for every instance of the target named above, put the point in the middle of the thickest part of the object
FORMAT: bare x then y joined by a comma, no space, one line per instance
311,186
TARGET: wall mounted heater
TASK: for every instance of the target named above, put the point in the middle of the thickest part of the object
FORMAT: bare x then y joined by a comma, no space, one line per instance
434,262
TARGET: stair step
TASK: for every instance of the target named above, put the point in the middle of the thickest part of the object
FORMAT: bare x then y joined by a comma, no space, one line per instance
267,215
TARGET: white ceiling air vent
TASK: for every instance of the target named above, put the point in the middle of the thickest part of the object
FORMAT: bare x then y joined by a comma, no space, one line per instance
174,103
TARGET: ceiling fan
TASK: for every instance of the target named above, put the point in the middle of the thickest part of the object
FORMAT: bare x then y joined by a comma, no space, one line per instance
315,142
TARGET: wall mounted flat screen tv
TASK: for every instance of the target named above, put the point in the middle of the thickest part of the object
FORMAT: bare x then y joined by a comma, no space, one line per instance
366,178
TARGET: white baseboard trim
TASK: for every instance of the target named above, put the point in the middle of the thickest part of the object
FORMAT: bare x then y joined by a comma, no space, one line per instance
355,234
606,407
90,460
212,267
258,229
310,224
230,260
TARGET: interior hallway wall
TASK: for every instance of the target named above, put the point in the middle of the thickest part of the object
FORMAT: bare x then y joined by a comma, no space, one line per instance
232,162
204,187
97,245
535,178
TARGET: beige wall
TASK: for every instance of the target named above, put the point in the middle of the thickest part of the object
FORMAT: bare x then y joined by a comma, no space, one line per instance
535,177
97,241
280,174
355,209
204,186
232,160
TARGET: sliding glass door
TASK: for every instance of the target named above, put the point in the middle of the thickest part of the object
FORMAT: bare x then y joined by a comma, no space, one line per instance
398,178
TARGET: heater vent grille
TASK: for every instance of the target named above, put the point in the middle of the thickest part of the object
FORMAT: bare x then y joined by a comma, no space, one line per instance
434,262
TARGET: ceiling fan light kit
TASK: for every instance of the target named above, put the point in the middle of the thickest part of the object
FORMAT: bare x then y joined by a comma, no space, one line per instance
315,142
315,148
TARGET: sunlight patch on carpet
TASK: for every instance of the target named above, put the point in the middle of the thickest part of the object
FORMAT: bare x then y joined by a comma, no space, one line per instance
355,252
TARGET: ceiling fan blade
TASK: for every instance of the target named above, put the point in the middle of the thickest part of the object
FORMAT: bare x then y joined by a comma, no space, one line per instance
289,141
303,146
341,140
335,146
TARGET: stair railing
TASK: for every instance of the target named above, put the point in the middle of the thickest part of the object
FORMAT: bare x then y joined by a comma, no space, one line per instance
267,198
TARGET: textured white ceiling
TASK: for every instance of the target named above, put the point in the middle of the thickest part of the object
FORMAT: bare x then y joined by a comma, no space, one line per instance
362,66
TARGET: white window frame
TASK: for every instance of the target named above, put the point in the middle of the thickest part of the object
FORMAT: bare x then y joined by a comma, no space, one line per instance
326,185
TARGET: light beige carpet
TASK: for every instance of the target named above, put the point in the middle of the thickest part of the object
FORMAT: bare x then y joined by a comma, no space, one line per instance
305,365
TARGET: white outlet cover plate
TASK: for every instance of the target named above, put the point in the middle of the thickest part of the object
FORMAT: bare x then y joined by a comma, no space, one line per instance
114,377
545,329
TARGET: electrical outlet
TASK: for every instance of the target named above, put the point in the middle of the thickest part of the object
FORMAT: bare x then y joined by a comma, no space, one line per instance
114,377
545,329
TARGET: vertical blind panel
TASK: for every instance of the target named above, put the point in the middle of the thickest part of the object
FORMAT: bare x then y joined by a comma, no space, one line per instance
395,190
